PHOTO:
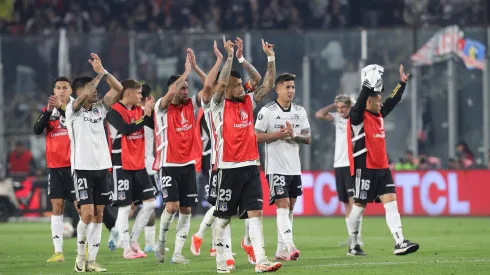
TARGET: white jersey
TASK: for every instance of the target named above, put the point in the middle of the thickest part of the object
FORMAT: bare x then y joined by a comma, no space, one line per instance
149,151
162,131
217,110
88,142
282,157
341,150
208,117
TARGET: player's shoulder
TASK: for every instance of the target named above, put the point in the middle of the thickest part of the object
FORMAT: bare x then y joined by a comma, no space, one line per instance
271,106
297,107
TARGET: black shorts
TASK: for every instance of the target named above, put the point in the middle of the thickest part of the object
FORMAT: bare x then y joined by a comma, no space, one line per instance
155,182
369,184
345,183
92,187
178,184
131,186
284,186
239,190
60,184
211,188
206,162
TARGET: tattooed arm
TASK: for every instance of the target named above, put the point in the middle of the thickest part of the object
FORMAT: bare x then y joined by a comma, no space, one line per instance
270,75
251,71
114,93
224,76
304,137
87,91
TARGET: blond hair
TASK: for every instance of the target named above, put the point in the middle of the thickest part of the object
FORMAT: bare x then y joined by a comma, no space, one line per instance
347,100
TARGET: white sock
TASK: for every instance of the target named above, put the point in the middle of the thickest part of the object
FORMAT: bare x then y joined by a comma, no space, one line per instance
90,230
291,218
284,226
82,238
257,238
213,246
228,240
220,238
246,238
354,223
57,233
94,242
165,222
360,228
142,219
281,246
182,229
393,221
206,222
150,236
122,223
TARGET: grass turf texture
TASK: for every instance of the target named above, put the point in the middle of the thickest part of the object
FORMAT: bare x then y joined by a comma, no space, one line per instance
447,246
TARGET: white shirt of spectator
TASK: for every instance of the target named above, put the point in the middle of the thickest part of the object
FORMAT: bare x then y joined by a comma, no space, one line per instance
282,157
217,110
88,141
341,151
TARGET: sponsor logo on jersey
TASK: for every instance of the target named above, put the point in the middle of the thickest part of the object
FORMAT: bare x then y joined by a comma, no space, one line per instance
185,124
244,119
97,120
183,120
243,115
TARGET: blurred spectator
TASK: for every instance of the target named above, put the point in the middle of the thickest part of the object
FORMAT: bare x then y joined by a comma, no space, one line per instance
20,162
453,164
406,162
464,155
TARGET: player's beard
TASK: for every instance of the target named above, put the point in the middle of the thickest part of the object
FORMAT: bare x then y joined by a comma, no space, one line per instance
240,98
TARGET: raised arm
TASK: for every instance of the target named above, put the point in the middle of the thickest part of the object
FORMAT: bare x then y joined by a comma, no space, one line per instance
270,75
195,67
176,86
207,91
251,71
324,113
87,90
225,72
116,87
396,95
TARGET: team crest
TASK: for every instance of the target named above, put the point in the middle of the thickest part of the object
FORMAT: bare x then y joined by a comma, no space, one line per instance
96,112
296,116
164,193
121,196
280,191
213,193
83,195
363,195
223,206
243,115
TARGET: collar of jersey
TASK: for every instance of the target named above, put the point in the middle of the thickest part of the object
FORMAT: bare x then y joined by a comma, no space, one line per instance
284,110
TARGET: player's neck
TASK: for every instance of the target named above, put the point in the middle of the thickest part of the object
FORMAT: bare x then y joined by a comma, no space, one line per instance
284,104
87,105
125,103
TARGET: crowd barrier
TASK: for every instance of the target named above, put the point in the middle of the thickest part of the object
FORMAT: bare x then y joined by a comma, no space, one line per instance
419,193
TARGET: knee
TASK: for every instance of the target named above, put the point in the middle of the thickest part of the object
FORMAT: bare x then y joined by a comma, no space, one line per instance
57,205
150,204
255,214
185,210
222,222
87,216
360,204
172,207
282,203
99,216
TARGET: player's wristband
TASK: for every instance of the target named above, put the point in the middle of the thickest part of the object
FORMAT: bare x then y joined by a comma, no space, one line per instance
241,60
271,58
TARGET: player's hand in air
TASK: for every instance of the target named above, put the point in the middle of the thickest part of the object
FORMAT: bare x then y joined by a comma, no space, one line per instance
149,105
188,63
96,63
228,46
217,52
54,102
403,76
268,48
190,52
239,47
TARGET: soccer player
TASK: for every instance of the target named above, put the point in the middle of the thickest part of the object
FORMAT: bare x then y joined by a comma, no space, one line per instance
90,158
177,149
368,158
127,120
344,181
60,182
239,185
283,125
208,219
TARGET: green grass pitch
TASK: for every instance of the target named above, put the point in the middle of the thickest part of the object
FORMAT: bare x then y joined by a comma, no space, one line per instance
447,246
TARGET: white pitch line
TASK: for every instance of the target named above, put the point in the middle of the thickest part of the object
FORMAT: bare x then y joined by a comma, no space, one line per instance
309,266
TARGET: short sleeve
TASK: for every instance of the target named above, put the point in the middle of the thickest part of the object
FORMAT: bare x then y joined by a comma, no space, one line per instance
101,106
205,106
194,101
305,124
69,113
262,122
335,117
254,104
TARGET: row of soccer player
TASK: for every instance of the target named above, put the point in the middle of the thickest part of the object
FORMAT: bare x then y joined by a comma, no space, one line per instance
229,115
